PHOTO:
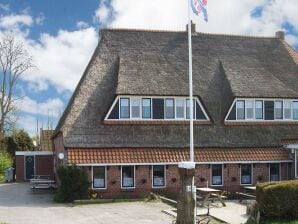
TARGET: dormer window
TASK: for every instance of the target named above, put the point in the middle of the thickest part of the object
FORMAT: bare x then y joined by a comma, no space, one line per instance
155,108
263,110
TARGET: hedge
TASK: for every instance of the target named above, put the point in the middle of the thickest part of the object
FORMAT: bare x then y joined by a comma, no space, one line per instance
278,199
74,184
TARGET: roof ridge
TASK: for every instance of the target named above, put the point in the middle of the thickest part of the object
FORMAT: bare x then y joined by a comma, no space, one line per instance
184,31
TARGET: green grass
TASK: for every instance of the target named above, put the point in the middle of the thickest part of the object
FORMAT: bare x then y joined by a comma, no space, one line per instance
280,222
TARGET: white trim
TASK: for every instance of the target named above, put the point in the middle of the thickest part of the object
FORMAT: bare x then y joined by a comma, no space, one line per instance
34,153
158,97
291,146
222,175
176,163
134,178
165,177
251,170
279,171
106,183
283,100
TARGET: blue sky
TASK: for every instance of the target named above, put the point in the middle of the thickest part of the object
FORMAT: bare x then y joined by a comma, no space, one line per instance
62,35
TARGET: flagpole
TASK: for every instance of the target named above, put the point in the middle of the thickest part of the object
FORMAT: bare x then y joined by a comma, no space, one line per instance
191,146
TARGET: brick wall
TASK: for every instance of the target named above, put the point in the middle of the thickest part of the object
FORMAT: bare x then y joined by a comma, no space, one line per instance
20,168
143,179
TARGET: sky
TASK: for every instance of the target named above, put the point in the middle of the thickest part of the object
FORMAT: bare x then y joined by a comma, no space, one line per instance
61,37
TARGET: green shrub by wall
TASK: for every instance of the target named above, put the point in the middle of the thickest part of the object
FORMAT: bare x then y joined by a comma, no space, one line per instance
5,161
278,199
73,184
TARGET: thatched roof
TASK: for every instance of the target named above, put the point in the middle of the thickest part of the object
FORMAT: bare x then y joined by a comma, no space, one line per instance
156,63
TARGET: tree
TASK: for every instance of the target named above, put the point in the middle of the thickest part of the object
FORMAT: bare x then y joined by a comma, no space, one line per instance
22,140
14,61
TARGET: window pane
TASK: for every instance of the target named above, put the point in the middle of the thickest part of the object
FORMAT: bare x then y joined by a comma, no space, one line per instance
124,108
169,110
217,174
274,172
127,176
158,176
99,177
249,105
187,108
287,109
146,108
278,110
240,110
180,108
259,109
295,110
246,173
135,108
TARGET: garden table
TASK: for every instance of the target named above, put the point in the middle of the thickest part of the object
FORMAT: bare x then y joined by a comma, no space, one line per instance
207,191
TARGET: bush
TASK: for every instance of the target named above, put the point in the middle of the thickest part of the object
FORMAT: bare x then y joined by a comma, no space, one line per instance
278,199
74,184
5,161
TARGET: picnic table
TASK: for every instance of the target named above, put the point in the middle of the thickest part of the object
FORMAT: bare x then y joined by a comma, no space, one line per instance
38,183
207,191
249,192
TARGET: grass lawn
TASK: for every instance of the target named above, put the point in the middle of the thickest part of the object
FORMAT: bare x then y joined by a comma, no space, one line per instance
280,222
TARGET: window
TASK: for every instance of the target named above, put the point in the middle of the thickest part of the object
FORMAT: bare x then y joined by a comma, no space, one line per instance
246,174
274,172
216,174
296,162
99,177
169,108
278,110
249,105
146,108
180,108
259,109
240,110
295,110
187,109
158,176
128,176
287,109
135,108
124,108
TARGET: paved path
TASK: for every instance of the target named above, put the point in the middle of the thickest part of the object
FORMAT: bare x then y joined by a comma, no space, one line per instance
233,213
19,205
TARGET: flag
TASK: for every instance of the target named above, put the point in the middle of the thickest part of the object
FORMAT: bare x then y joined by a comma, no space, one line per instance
198,6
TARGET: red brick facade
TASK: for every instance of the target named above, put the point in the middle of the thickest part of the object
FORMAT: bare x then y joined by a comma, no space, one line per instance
143,179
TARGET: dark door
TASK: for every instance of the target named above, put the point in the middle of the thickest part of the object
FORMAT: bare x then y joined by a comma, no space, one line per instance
29,163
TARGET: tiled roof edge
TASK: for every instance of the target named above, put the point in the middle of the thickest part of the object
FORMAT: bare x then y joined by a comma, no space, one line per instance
293,53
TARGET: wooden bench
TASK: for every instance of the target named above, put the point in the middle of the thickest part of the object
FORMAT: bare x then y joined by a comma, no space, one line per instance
242,195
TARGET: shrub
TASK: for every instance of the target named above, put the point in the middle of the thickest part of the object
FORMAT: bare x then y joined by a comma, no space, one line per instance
5,161
278,199
74,184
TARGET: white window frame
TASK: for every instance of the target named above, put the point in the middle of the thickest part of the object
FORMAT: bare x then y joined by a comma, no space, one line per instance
196,99
165,177
243,111
140,108
174,108
134,177
123,118
106,183
253,109
270,173
146,118
294,101
251,168
184,109
262,120
194,109
291,111
296,161
259,119
282,110
222,175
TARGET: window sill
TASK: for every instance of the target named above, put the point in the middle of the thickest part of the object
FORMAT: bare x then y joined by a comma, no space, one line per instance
261,123
155,122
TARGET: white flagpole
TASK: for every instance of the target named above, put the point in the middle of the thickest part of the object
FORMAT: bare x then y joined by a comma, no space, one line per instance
191,147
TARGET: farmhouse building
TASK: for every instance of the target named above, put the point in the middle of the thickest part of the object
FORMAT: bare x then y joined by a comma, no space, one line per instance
127,122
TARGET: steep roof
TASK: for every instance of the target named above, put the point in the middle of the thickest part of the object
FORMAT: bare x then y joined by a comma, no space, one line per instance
156,63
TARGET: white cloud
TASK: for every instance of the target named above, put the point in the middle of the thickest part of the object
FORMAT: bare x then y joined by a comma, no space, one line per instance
102,13
61,59
13,20
40,19
28,123
232,16
5,7
82,25
50,107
